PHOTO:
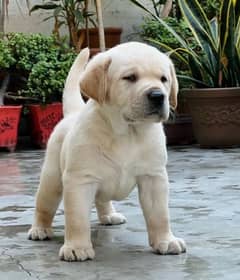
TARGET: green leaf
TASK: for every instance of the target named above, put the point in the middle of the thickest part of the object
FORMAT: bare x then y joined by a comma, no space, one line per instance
47,18
79,16
237,35
196,81
228,52
170,51
49,6
57,11
226,21
201,29
214,29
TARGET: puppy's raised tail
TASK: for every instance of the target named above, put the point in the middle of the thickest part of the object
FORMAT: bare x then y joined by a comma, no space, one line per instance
72,99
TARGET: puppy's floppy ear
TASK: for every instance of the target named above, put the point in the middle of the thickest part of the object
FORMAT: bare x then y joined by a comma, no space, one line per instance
93,82
174,88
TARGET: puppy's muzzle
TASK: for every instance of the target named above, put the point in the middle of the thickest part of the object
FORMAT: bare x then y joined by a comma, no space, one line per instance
156,101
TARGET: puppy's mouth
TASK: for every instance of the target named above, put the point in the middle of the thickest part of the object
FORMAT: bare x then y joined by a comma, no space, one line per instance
152,116
152,112
159,113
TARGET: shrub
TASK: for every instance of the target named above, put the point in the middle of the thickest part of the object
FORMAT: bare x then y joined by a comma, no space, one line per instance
41,62
6,58
47,78
28,49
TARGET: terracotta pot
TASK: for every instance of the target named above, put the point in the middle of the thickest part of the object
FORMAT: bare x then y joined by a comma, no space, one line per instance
43,120
216,116
9,120
112,37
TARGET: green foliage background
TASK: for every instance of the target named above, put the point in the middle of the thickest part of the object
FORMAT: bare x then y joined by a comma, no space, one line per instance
42,62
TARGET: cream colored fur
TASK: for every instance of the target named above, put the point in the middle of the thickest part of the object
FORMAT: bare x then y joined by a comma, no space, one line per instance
102,149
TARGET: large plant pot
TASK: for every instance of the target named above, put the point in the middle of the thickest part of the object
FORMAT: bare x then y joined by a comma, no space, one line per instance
112,37
215,116
9,120
43,120
179,131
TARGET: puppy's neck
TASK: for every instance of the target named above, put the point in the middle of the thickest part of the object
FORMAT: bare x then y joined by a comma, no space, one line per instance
113,118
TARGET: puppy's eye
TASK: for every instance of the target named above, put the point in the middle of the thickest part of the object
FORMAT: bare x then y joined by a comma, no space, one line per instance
164,79
131,78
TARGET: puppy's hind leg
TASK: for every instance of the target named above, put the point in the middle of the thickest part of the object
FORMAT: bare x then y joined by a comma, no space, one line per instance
48,196
107,214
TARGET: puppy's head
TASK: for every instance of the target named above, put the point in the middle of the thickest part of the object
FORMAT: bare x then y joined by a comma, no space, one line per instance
136,79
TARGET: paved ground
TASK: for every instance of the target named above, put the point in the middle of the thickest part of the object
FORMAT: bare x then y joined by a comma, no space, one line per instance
204,201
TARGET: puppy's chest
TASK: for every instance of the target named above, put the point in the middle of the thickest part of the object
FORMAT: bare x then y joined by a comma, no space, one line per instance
122,166
118,182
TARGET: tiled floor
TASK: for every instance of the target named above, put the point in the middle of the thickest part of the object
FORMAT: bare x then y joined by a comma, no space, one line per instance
204,202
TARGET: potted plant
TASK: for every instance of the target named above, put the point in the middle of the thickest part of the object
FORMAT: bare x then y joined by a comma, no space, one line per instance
45,84
214,67
76,16
44,65
9,115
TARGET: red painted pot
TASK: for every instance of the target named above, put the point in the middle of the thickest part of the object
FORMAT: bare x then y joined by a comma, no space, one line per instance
43,120
9,120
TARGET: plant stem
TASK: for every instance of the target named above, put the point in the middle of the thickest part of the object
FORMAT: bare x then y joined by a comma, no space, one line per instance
166,9
100,25
2,16
4,88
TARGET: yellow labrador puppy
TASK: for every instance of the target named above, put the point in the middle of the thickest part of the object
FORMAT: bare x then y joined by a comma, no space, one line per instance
102,149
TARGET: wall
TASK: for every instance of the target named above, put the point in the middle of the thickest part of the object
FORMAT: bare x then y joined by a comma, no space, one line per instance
19,20
116,13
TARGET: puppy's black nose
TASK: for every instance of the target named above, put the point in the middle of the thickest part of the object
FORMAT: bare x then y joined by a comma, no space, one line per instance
156,97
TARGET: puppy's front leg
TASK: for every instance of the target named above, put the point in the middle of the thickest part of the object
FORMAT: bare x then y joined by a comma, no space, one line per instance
78,200
153,195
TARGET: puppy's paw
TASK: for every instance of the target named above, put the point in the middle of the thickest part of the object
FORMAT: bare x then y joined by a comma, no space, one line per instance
171,246
113,219
40,233
71,253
